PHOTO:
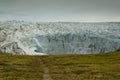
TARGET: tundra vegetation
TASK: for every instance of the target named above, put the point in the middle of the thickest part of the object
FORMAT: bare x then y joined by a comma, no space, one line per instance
61,67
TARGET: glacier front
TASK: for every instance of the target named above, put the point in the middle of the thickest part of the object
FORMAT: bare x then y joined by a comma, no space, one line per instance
19,37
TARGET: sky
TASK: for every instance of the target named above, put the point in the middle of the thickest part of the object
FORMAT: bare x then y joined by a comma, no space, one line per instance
61,10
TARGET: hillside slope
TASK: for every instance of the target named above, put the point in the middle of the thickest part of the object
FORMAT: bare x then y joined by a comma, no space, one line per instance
60,67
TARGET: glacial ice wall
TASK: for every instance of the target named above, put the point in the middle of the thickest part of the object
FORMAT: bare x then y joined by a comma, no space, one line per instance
19,37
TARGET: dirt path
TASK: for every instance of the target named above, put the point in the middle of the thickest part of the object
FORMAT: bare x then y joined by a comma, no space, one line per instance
46,75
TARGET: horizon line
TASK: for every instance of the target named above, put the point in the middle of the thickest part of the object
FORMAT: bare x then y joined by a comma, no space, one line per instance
63,21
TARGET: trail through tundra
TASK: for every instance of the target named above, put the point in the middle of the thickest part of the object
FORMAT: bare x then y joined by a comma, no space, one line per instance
46,74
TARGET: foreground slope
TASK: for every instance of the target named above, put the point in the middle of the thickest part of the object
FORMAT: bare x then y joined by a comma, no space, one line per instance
19,37
13,67
60,67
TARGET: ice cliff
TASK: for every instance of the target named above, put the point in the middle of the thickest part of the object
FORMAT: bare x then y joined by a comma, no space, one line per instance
19,37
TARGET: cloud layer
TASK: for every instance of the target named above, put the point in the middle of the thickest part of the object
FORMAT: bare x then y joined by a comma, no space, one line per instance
60,10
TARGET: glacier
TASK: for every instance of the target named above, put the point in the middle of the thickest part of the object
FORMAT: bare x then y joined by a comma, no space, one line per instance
40,38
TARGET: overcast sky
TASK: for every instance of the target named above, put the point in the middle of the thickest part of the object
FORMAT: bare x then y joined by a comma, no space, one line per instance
60,10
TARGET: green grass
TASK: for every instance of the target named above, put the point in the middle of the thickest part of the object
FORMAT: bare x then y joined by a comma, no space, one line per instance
84,67
16,67
62,67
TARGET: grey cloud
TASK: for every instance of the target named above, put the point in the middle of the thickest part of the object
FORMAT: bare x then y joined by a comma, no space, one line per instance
11,13
59,9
